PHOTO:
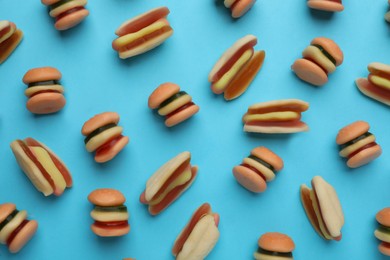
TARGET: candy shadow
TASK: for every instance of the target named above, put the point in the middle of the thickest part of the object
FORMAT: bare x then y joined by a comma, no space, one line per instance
321,15
300,81
259,136
75,31
225,11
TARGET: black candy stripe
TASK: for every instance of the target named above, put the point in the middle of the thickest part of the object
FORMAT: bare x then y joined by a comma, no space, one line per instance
98,131
121,208
333,60
353,141
172,98
271,253
384,229
8,219
269,166
54,6
43,83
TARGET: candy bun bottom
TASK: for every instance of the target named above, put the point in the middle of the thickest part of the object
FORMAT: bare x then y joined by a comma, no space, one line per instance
249,179
46,103
71,20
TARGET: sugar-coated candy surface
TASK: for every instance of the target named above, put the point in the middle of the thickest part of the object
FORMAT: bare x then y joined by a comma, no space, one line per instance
257,169
199,236
44,91
142,33
357,144
15,229
319,60
103,136
45,169
177,106
10,37
323,208
67,13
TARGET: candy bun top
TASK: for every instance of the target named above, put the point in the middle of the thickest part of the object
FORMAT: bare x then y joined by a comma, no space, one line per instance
99,120
375,67
49,2
276,242
352,131
268,156
279,105
5,210
331,47
41,74
383,217
162,93
106,197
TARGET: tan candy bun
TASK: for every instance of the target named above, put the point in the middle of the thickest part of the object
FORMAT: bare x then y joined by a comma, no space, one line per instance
9,42
310,72
161,93
330,206
370,90
24,235
71,20
242,7
142,33
365,156
352,131
157,180
135,23
46,103
331,47
323,208
106,197
66,14
49,2
5,210
249,179
199,236
103,136
175,105
277,116
383,217
41,74
320,58
276,242
99,120
18,230
384,248
326,5
268,156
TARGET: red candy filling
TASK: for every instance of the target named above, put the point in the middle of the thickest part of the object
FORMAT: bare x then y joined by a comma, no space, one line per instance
179,109
73,10
111,224
286,124
105,148
44,91
16,231
361,149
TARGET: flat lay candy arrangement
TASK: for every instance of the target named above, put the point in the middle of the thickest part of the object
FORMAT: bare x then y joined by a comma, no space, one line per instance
116,142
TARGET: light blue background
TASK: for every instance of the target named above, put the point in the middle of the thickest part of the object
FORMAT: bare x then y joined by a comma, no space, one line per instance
96,80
